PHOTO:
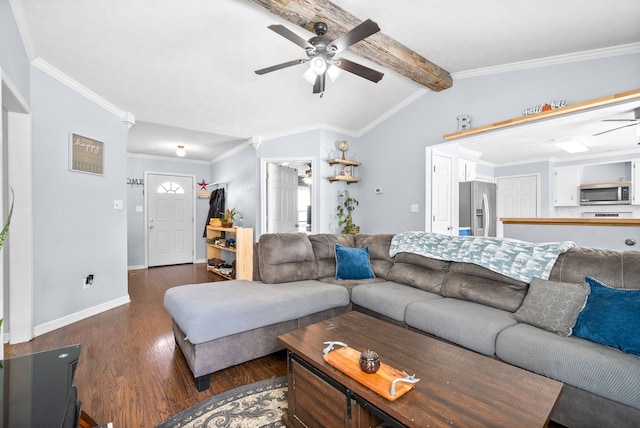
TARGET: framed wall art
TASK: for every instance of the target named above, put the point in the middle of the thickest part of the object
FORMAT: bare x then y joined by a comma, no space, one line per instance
86,154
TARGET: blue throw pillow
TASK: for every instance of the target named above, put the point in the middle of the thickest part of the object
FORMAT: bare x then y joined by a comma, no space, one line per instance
353,263
611,317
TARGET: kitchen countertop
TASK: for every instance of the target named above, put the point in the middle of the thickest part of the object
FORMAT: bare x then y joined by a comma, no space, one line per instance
574,221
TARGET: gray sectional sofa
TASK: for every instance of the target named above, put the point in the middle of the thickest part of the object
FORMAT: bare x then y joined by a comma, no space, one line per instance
222,324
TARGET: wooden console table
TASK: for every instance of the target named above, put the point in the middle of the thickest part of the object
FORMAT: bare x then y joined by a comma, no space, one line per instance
457,387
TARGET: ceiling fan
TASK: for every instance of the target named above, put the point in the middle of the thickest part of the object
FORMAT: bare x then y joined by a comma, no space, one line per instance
321,52
634,122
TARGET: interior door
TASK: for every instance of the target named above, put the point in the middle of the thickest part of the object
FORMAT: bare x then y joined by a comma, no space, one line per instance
441,196
282,198
518,196
170,219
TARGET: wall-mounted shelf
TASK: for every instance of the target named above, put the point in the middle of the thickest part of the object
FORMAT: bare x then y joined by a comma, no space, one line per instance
344,162
570,109
344,178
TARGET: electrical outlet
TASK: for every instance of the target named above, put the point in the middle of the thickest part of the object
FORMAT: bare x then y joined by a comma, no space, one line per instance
87,282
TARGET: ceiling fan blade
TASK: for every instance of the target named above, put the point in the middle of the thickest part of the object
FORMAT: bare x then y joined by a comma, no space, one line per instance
290,35
359,70
362,31
318,87
615,129
281,66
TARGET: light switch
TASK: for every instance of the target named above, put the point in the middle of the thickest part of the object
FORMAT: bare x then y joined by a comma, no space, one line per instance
414,208
117,204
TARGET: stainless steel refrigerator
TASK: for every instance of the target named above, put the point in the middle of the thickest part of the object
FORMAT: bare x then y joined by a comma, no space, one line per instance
477,208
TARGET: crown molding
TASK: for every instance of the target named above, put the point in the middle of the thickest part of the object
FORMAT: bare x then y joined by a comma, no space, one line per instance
628,49
232,152
395,109
166,158
126,117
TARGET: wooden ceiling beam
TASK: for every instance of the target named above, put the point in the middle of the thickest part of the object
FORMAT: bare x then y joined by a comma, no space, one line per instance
378,48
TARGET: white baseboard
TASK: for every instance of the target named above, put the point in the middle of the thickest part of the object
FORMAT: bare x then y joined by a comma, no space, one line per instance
86,313
136,267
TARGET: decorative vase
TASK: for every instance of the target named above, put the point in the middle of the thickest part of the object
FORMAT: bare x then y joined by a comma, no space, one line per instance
227,223
354,230
369,361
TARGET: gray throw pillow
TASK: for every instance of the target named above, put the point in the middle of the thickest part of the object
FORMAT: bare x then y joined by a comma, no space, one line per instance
553,306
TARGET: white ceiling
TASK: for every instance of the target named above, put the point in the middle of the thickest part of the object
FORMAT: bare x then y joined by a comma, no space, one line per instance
185,68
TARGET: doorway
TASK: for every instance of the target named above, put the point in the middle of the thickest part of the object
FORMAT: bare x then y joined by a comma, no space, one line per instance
441,193
170,223
287,194
16,263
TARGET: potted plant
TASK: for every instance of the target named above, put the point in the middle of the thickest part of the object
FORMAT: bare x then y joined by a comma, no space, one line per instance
346,205
228,217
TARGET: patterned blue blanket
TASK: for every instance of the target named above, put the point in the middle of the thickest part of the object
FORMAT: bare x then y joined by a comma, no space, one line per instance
516,259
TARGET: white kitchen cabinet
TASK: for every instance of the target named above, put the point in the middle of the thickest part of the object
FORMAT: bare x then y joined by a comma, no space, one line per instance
566,186
467,170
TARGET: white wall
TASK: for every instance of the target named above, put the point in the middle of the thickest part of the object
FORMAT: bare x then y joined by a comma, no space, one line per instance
316,145
136,167
394,155
76,229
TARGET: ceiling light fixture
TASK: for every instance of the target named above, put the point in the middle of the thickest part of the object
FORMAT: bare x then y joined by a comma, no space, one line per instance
180,151
572,146
318,64
333,72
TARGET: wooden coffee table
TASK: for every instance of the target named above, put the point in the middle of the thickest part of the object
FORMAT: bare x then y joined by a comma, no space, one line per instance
458,388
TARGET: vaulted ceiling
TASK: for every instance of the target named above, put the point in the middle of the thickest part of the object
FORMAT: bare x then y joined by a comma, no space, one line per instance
185,69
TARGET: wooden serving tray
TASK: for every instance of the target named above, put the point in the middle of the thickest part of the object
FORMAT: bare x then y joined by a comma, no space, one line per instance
347,360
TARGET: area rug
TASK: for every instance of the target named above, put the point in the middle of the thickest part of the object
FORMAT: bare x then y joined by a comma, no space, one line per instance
260,404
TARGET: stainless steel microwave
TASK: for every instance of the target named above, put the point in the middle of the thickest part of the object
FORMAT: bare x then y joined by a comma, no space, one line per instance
605,193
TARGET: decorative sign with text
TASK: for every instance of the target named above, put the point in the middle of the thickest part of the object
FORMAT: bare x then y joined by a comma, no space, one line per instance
86,155
544,107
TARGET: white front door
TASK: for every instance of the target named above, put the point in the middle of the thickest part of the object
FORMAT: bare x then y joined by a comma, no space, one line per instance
282,199
170,219
441,194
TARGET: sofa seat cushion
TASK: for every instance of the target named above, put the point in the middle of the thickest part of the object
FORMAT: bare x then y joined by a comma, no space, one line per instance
468,324
213,310
578,362
388,298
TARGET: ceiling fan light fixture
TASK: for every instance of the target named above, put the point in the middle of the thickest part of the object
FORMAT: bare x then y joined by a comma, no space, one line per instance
572,146
180,151
318,65
310,76
334,72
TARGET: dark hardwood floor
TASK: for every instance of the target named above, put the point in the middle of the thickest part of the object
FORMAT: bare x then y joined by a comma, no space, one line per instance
131,372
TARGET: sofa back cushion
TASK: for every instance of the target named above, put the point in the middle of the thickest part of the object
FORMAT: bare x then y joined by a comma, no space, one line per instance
467,281
324,245
286,257
379,257
418,271
617,269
